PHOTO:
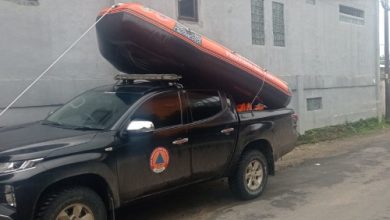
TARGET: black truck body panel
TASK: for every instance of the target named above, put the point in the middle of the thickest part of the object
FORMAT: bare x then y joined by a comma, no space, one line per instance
121,160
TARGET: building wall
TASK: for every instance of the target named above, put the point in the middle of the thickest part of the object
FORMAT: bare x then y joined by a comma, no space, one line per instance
331,59
34,35
323,57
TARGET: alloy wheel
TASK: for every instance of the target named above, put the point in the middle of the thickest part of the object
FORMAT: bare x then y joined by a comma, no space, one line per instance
76,211
254,175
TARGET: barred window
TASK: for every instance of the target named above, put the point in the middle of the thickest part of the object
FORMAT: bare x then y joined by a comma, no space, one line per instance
26,2
314,103
312,2
188,10
278,24
257,11
351,15
351,11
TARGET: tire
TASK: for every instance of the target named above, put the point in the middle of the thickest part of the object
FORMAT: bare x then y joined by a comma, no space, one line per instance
68,201
239,181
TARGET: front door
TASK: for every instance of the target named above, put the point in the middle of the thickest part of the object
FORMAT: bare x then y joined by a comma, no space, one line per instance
152,161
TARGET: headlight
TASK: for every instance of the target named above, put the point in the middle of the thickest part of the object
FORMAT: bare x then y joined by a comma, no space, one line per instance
12,167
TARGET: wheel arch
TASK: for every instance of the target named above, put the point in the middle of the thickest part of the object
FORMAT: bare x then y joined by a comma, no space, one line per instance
265,147
94,182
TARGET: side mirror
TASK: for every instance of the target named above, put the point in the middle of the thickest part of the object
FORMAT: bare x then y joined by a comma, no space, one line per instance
140,126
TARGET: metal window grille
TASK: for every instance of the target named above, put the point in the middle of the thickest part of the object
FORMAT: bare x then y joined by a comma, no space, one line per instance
312,2
278,24
257,11
351,15
26,2
351,20
188,10
351,11
314,103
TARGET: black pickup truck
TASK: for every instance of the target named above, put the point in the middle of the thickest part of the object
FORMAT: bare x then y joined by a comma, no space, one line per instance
119,143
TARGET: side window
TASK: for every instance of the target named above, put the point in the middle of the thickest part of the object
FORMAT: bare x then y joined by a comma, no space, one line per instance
204,104
188,10
163,110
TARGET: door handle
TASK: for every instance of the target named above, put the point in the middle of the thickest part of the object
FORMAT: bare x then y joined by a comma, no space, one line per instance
227,131
180,141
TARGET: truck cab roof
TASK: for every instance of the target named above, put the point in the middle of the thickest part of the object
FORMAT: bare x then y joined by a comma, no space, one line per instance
137,87
142,83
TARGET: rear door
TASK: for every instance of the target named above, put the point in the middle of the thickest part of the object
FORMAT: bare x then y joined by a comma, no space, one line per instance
212,132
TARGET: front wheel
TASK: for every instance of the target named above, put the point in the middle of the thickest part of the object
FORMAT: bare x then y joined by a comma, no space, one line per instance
250,178
77,203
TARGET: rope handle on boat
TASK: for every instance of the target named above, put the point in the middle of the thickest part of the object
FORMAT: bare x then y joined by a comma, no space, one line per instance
58,59
261,88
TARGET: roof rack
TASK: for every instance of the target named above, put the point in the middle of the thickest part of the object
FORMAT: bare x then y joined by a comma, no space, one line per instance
170,79
149,77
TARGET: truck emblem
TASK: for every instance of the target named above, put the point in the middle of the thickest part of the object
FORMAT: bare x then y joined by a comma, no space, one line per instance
159,160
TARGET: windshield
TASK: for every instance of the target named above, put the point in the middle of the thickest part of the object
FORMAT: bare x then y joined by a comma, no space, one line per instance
93,110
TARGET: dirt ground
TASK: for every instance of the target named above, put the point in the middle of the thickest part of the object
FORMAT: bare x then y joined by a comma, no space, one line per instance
325,149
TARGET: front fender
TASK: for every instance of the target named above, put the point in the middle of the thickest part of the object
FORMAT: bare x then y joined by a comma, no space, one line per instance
29,185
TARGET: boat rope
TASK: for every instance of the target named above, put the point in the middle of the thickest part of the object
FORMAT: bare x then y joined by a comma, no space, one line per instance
261,88
56,60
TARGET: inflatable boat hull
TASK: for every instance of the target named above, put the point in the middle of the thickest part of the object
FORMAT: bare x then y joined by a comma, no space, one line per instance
136,39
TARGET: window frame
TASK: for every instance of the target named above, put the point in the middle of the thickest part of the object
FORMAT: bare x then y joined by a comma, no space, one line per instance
274,24
343,9
139,105
191,119
352,15
187,18
261,28
311,2
314,107
28,2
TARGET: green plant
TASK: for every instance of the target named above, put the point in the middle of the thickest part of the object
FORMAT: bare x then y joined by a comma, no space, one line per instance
344,130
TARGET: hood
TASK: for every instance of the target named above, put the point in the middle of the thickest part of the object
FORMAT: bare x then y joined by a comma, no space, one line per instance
35,140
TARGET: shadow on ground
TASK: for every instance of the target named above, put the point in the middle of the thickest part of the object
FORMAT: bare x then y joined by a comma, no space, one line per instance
184,203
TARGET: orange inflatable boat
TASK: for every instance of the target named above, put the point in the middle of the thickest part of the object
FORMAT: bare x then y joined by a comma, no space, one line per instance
137,39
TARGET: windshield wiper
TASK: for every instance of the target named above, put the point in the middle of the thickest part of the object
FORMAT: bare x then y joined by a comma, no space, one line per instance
45,122
81,128
85,128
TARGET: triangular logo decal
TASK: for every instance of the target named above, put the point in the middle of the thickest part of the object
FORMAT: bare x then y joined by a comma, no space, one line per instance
160,159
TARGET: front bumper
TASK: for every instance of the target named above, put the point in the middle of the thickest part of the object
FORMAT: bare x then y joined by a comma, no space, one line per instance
25,198
7,213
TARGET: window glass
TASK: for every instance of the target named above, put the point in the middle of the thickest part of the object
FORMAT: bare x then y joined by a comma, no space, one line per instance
278,23
312,2
351,15
204,104
163,110
188,9
93,109
257,12
314,103
351,11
